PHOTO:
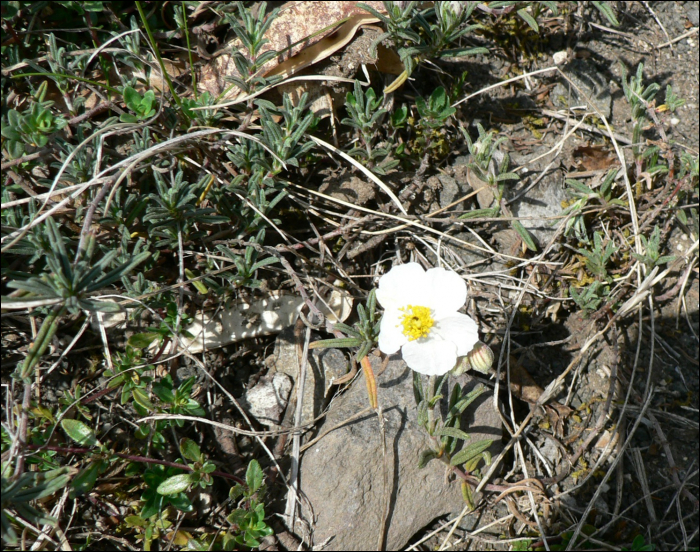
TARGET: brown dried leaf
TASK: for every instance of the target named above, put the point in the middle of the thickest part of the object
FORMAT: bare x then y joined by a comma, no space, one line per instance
594,158
305,32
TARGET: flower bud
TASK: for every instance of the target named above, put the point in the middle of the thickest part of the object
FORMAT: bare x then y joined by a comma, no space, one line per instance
481,358
457,8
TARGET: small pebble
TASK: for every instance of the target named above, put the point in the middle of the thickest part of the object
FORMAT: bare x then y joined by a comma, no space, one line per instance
560,57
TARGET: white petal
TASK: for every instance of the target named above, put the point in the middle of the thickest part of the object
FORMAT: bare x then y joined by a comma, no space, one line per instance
459,329
403,285
448,291
391,336
433,357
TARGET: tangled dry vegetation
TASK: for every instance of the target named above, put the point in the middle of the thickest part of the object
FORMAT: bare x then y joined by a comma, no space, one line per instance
166,163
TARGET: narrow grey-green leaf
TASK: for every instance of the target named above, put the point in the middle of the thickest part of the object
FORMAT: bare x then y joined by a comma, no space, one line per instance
525,16
85,480
471,451
479,213
340,342
525,235
453,432
425,457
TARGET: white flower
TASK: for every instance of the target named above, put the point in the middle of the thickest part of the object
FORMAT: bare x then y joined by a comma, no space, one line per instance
421,318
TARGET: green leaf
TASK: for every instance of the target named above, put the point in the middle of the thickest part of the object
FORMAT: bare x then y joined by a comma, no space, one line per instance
462,52
186,386
398,117
438,99
682,217
452,432
479,213
264,262
525,16
606,9
340,342
10,133
118,272
463,403
85,480
467,495
524,234
132,98
434,400
181,502
79,432
36,485
164,392
141,398
471,451
142,340
198,284
472,464
254,476
175,484
236,491
101,306
190,450
15,149
425,457
418,392
348,330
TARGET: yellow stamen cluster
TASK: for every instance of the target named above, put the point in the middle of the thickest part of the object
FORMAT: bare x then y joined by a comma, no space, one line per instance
416,322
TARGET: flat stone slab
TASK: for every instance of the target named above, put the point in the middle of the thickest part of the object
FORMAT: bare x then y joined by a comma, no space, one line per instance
342,474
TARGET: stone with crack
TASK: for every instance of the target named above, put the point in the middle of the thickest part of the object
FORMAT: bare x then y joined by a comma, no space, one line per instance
342,474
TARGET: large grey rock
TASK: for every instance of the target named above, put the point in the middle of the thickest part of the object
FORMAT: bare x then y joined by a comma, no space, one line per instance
342,474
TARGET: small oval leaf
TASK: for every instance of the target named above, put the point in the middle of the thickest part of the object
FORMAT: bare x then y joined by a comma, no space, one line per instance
254,476
79,432
175,484
190,450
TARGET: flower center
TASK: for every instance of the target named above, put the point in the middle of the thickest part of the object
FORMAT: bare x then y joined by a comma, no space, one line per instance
416,322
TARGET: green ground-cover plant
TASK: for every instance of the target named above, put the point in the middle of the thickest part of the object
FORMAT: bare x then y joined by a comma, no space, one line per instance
31,128
67,285
20,492
584,195
248,520
366,116
250,30
363,334
487,169
451,444
425,34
